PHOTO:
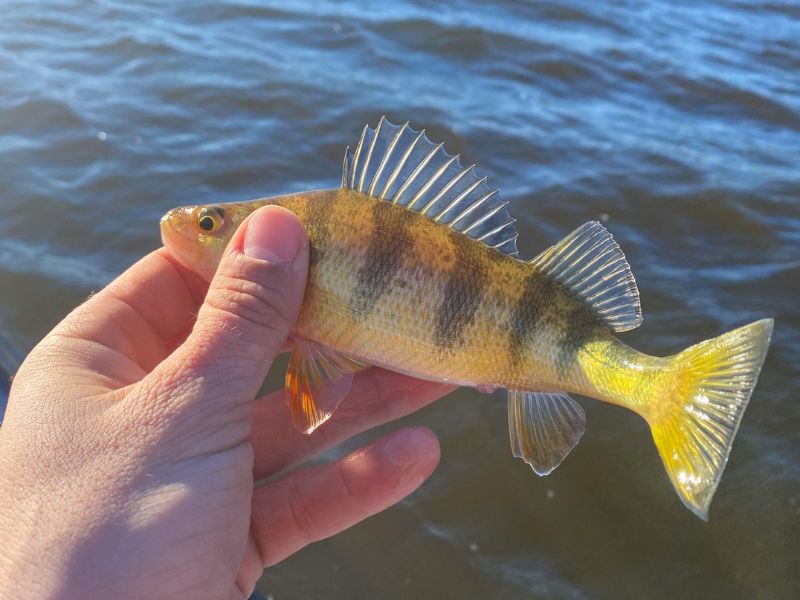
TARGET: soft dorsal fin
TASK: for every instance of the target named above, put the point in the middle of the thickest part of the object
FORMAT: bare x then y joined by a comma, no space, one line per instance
589,263
402,166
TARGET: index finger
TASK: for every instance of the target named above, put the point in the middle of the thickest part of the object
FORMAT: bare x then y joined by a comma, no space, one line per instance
156,294
162,291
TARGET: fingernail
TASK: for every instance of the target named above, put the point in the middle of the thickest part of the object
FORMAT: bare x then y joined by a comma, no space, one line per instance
405,447
273,234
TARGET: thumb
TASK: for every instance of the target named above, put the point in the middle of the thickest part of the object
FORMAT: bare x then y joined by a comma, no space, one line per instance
251,304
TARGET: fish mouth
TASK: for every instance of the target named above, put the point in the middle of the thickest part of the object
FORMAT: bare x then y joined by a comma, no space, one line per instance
181,239
169,231
179,245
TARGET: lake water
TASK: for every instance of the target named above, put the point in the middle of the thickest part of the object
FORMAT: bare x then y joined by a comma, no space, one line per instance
677,123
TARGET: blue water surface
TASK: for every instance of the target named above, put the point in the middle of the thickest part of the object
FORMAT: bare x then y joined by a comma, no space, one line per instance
676,123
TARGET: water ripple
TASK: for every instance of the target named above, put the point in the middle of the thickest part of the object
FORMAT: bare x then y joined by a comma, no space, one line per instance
677,124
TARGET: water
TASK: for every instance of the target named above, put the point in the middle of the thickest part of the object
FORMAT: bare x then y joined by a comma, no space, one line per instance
677,123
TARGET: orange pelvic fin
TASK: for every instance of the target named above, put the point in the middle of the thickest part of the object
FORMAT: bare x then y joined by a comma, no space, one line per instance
317,380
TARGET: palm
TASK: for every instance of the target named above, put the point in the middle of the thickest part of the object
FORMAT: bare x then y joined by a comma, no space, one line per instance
185,480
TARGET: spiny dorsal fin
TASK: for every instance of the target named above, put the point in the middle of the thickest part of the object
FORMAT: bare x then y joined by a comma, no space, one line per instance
589,263
402,166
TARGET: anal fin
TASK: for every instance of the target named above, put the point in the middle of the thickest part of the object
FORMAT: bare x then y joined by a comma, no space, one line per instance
317,380
543,428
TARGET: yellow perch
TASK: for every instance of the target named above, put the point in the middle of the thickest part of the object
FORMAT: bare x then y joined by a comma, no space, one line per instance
414,268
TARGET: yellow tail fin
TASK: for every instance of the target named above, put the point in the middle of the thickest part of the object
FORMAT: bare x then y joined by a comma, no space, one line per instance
696,421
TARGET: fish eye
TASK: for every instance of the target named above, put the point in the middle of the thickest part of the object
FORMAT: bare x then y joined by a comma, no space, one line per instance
210,219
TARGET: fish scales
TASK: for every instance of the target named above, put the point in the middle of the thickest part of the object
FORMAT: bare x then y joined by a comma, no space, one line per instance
415,292
414,267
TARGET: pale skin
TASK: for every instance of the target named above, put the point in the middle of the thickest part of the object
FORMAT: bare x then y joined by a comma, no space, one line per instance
132,445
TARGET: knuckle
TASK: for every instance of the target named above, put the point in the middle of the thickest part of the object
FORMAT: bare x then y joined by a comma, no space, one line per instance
302,513
347,488
371,404
382,398
251,303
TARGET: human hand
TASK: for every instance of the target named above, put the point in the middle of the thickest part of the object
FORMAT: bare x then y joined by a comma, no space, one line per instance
131,440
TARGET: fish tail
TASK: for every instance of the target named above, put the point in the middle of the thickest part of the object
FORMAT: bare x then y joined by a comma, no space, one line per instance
695,420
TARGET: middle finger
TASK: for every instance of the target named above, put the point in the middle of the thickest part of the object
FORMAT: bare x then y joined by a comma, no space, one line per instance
377,396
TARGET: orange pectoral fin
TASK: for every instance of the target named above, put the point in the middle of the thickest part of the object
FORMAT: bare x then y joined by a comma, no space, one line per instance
317,380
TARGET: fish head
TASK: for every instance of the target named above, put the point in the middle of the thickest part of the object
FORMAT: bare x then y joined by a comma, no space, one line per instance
197,235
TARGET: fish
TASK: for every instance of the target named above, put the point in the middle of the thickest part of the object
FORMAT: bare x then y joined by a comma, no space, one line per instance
414,267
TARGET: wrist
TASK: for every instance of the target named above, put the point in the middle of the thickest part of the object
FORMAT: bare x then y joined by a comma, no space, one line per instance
40,525
25,570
